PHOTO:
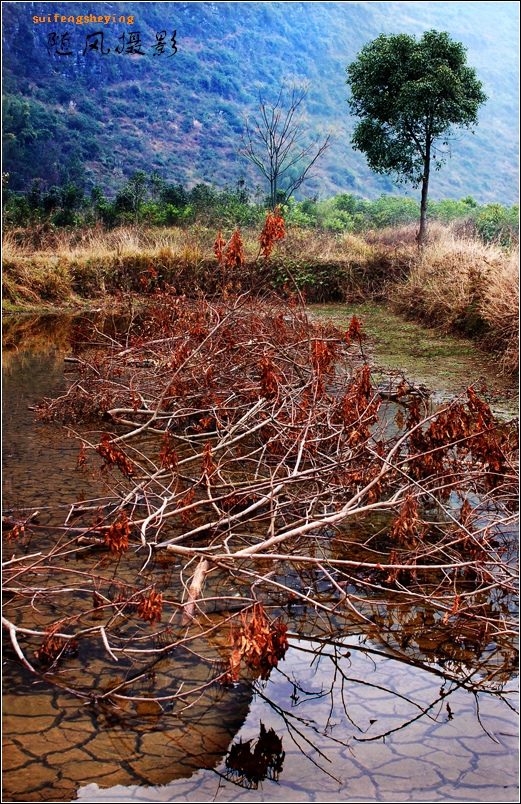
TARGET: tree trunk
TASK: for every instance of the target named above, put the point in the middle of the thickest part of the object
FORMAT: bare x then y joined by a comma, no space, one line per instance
422,234
274,190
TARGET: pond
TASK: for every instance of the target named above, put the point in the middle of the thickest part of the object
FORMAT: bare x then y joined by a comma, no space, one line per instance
382,703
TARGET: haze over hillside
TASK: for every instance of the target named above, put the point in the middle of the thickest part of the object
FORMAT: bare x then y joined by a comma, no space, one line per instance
96,119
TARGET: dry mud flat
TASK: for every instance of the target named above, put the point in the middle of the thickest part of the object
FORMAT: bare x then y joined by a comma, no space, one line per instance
55,750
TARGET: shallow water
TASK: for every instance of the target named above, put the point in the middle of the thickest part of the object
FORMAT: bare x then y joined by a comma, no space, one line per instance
443,363
386,709
430,759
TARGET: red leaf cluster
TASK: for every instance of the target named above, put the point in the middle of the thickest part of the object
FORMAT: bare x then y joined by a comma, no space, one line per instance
150,608
354,331
82,456
234,254
116,535
208,465
54,647
358,408
405,528
148,277
259,643
113,456
471,429
15,532
168,456
273,230
454,610
218,247
269,384
187,499
322,356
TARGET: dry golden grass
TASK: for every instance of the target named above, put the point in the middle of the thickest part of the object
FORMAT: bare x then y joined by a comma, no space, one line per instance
96,243
53,265
463,285
50,264
455,283
500,309
403,237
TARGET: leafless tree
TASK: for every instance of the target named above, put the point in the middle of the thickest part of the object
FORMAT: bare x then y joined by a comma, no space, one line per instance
276,143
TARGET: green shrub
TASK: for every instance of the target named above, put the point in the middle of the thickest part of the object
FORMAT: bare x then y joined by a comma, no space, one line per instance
497,224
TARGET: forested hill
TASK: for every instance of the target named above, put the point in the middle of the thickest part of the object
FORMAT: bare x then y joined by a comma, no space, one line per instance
97,118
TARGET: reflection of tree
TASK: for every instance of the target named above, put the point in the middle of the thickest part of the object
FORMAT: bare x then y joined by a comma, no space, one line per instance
251,762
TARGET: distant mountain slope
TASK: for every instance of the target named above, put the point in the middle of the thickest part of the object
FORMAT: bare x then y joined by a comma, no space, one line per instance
102,117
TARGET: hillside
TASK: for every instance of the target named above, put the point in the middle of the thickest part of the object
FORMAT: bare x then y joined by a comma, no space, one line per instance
96,119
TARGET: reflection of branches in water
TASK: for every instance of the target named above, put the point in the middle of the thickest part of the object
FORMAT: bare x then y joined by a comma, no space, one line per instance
295,726
248,763
308,732
352,680
470,682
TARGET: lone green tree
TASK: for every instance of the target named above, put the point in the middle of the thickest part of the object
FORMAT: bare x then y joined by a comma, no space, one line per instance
409,94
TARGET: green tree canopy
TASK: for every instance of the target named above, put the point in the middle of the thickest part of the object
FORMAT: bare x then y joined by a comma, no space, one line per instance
409,94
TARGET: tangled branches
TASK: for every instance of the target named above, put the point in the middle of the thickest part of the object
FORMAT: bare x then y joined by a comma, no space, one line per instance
248,457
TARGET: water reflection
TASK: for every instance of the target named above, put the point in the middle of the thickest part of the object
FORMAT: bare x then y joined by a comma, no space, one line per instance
327,710
249,763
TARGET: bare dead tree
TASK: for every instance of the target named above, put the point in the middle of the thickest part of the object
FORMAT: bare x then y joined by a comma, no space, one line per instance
276,143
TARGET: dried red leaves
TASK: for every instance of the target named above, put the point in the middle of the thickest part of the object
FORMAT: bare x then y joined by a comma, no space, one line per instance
150,607
82,456
322,356
168,458
54,648
470,430
358,407
231,254
186,501
269,385
116,536
274,229
148,278
354,331
14,533
113,456
234,254
258,643
209,466
406,527
218,247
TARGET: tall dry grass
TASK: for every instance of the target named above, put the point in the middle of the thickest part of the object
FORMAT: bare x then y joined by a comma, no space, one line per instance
462,285
97,242
54,266
51,265
456,283
500,308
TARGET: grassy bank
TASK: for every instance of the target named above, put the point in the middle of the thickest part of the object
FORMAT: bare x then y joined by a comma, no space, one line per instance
464,286
456,284
446,364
